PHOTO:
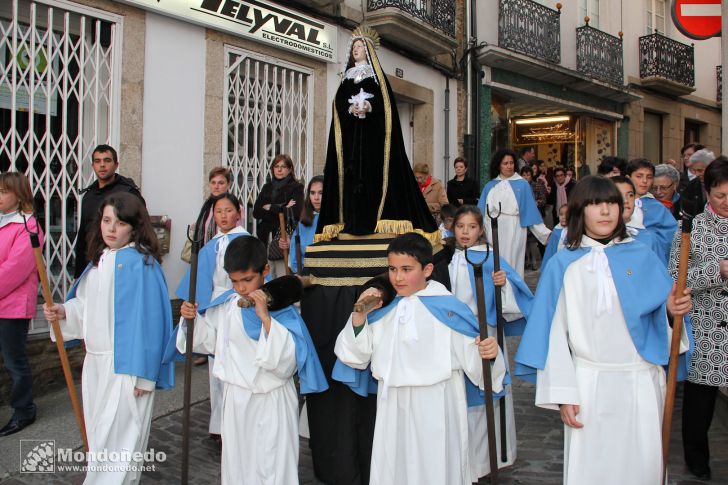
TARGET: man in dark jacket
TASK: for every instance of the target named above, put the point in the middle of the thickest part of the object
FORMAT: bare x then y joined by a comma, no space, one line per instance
105,162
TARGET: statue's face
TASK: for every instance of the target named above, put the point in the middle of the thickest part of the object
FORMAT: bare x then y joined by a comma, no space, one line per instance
358,51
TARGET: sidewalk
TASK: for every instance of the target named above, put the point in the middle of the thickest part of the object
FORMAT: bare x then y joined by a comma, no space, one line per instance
540,441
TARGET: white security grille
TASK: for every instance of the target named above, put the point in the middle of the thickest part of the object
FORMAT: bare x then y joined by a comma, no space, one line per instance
267,110
59,72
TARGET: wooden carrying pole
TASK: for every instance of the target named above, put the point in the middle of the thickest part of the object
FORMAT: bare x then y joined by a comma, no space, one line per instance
487,377
500,323
187,395
677,330
284,236
48,297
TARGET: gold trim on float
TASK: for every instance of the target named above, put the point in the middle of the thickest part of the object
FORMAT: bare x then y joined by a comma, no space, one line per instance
387,125
347,247
339,162
385,228
346,262
354,237
352,281
329,232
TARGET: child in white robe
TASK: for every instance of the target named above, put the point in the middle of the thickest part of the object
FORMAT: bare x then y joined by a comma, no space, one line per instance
213,281
420,355
635,226
257,354
597,338
469,232
120,308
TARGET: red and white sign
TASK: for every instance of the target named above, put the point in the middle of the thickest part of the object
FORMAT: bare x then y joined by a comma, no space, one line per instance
697,19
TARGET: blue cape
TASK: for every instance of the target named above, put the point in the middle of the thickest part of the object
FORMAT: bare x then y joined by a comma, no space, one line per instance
660,222
647,238
307,234
642,286
206,264
310,373
142,318
524,297
449,311
528,211
552,246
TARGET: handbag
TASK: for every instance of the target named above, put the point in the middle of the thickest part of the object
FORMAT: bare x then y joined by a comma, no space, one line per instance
275,253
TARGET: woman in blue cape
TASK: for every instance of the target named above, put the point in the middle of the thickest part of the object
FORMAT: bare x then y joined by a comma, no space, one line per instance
510,195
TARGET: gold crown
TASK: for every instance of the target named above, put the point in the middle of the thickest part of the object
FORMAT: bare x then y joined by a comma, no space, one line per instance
367,33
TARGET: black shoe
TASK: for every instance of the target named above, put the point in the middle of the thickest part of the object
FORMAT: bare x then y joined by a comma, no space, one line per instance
15,425
701,473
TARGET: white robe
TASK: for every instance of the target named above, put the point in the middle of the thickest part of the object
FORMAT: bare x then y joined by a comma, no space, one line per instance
421,430
220,284
592,362
511,235
259,403
115,419
477,422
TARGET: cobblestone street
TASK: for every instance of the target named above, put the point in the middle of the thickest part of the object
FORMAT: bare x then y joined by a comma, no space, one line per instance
539,459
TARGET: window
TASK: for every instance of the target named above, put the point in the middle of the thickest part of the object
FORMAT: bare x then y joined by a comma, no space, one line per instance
692,132
655,16
589,8
54,111
267,111
652,137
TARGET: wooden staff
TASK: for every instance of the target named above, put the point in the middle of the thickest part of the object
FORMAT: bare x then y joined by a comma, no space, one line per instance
187,396
487,377
499,322
677,330
284,237
48,297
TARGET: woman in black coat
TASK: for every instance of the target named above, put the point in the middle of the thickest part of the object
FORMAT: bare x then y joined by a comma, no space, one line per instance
462,190
282,192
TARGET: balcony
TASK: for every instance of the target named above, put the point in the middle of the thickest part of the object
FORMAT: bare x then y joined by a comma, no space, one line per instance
667,65
425,26
599,55
530,28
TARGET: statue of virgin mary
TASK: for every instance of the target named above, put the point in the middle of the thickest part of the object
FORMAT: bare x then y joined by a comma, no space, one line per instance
369,186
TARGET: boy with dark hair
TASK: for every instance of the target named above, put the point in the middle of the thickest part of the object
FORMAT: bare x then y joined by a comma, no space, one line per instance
424,351
447,213
257,352
612,167
650,211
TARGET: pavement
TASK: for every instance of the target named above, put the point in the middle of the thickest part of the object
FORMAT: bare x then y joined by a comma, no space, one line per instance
539,460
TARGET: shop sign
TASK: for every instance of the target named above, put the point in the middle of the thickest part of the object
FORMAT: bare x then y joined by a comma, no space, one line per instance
255,19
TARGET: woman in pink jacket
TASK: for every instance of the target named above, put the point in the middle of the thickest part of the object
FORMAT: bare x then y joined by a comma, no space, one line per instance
18,294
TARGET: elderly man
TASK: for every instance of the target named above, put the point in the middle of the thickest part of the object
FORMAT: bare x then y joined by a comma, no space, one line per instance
104,162
664,187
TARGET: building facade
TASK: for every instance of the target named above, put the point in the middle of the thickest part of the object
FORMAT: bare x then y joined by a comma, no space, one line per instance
582,79
182,86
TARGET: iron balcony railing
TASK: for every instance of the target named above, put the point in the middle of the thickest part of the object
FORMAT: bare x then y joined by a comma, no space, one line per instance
664,57
530,28
439,14
599,55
